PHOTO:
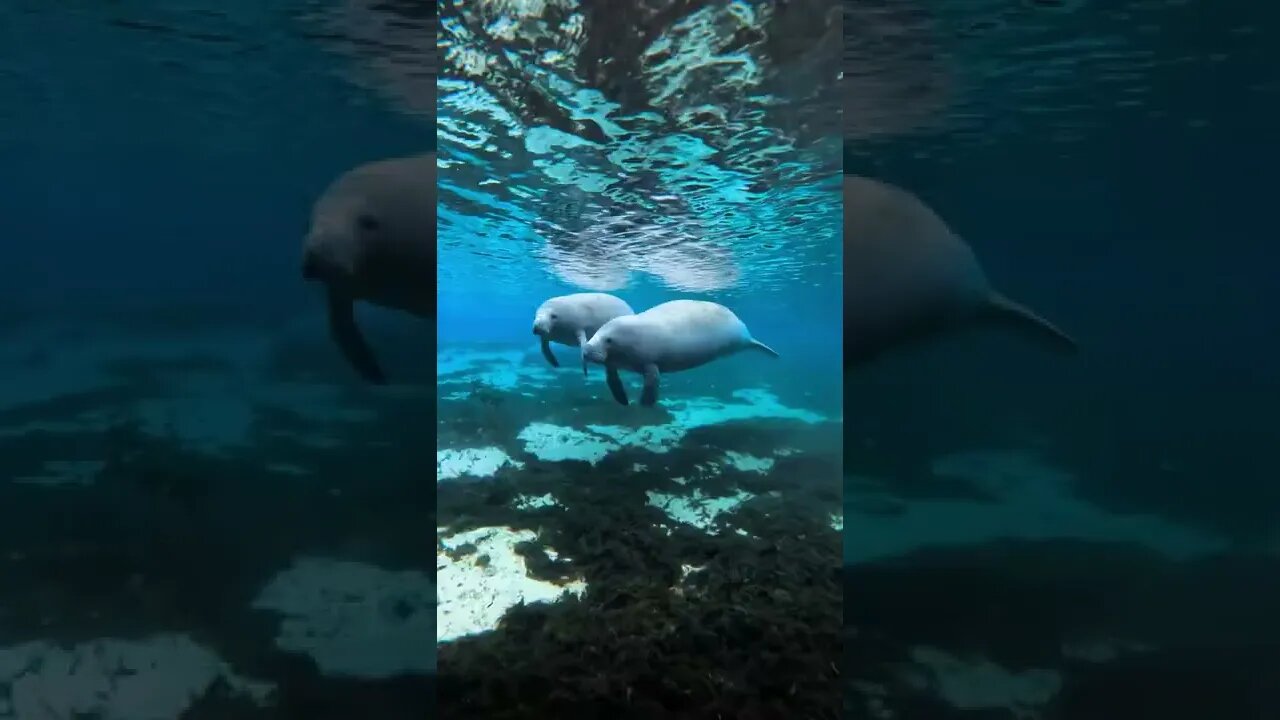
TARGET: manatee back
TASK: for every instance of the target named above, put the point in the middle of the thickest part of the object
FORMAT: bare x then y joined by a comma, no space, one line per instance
694,331
905,272
596,309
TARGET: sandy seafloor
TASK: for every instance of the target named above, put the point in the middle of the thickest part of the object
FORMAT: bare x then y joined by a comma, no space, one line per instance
204,520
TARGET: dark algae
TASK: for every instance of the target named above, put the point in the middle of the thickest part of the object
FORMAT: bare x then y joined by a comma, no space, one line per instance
754,633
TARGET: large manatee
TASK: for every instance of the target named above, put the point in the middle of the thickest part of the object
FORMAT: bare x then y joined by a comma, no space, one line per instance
907,277
373,238
674,336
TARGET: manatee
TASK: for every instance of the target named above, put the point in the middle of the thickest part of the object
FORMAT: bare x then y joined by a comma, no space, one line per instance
572,319
373,238
908,277
674,336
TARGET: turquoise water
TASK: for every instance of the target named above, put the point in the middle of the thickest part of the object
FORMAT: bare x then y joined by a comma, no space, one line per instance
714,175
204,512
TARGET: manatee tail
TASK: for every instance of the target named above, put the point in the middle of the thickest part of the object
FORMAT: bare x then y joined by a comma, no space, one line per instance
756,344
1024,321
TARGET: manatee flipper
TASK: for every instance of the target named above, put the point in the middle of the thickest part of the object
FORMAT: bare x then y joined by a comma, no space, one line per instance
649,396
343,330
546,353
615,385
1024,321
582,345
756,344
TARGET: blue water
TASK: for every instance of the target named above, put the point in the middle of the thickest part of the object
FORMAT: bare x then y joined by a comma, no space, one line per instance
711,172
187,523
1113,552
199,495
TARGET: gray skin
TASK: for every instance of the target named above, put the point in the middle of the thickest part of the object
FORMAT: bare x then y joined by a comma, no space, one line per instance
907,278
571,319
373,238
674,336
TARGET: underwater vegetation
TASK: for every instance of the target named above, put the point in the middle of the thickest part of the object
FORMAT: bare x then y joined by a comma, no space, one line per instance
637,183
194,539
591,562
215,477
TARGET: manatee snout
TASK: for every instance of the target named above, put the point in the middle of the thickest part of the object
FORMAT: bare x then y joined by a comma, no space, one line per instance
317,266
542,321
595,353
329,258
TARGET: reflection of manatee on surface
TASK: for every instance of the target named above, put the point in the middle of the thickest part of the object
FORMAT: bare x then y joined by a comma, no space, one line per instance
603,257
584,267
692,267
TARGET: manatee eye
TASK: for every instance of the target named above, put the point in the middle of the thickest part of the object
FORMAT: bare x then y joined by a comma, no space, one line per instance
608,341
553,316
367,222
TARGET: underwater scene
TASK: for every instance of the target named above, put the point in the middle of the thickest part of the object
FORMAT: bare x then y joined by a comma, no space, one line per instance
1073,515
205,510
639,374
1003,452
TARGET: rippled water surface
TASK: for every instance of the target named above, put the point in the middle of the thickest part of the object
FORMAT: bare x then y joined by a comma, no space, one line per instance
696,151
228,75
958,76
